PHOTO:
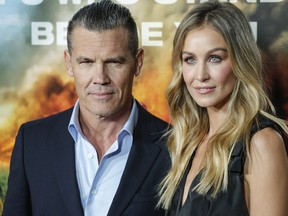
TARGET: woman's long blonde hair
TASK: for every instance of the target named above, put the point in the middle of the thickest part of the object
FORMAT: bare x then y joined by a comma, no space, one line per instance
190,121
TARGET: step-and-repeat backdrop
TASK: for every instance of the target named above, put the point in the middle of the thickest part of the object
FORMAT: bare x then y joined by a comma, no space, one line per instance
33,79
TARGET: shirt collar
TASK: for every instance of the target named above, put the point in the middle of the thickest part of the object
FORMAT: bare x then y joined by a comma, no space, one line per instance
75,129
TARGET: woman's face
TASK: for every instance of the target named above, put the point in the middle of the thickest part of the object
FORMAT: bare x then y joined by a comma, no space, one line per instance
207,68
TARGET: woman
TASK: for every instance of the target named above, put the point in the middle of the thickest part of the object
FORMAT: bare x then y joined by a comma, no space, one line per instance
227,150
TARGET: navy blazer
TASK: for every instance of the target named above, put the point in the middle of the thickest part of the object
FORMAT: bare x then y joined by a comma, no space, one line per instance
42,178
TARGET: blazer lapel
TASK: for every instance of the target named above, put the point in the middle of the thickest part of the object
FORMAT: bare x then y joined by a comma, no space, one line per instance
134,174
142,156
63,156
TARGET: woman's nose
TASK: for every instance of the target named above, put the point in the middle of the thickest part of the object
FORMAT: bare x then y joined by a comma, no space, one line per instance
202,73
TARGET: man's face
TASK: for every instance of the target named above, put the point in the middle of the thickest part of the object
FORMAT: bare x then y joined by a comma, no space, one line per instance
103,68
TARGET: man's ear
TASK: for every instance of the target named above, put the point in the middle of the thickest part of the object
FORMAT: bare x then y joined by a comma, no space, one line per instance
68,64
139,61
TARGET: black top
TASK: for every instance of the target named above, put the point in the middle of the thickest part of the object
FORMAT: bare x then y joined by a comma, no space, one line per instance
229,202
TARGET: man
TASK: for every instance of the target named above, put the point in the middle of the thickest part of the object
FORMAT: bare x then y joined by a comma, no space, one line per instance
104,156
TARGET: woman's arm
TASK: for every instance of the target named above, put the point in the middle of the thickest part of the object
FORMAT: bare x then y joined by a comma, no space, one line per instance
267,175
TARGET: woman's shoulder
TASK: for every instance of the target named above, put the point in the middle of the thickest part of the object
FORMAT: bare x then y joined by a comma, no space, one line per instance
261,122
267,141
266,136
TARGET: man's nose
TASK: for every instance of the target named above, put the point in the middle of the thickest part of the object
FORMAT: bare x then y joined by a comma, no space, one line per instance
100,74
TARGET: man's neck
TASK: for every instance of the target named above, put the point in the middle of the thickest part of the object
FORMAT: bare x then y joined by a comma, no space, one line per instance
101,131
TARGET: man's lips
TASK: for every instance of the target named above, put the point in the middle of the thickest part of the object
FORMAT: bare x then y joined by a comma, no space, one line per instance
101,95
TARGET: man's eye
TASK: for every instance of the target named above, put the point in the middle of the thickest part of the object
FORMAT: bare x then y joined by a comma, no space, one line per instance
85,62
114,63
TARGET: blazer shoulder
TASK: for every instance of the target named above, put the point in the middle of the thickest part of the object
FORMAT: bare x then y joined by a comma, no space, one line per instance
145,117
62,118
150,128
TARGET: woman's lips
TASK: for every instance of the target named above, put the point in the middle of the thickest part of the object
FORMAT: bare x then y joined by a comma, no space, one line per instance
204,89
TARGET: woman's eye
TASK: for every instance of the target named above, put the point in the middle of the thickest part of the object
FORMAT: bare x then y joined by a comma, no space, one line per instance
215,59
189,60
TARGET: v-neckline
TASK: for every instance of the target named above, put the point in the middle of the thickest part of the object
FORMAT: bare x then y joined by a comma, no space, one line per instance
183,181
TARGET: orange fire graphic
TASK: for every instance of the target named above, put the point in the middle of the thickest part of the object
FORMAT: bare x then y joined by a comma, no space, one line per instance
51,94
48,95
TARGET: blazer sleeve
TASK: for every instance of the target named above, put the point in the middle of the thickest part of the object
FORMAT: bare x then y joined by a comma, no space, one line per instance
17,201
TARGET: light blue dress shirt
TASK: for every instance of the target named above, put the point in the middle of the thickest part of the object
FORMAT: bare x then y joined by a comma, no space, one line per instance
98,182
